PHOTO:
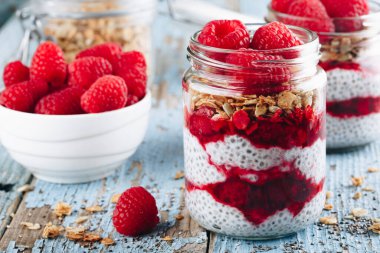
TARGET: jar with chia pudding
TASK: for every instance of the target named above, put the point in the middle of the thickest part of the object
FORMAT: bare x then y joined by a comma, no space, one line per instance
351,59
254,136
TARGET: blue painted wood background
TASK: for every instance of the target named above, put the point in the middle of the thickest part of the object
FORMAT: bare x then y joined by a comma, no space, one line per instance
160,157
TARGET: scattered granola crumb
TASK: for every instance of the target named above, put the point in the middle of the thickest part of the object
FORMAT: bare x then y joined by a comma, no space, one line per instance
115,198
357,181
179,217
368,189
328,220
94,209
167,238
51,231
62,209
376,220
179,175
349,217
375,227
30,225
75,233
81,219
359,212
357,195
107,241
91,237
329,195
373,170
25,188
328,207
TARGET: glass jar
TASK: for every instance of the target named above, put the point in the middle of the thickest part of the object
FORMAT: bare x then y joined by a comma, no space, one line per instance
254,139
351,59
77,25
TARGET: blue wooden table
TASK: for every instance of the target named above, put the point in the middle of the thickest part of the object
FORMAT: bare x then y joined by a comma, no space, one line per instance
157,165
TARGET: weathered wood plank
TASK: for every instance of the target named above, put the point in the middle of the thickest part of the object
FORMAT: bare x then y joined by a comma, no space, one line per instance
318,238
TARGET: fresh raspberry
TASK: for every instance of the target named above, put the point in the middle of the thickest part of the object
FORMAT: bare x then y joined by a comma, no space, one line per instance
281,5
15,72
344,9
135,213
106,94
241,119
85,71
227,34
38,88
132,68
132,99
319,19
49,65
109,51
199,122
274,35
62,102
18,97
131,59
260,69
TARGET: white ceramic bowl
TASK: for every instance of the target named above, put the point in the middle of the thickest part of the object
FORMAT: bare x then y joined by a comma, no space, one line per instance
74,148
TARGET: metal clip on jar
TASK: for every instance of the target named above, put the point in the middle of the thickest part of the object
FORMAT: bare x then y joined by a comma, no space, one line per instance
255,139
76,25
351,59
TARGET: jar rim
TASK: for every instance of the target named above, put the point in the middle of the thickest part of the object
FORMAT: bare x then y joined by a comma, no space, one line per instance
374,17
310,46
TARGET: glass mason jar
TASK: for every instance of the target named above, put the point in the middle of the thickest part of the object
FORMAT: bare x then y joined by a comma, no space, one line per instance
254,139
77,25
351,59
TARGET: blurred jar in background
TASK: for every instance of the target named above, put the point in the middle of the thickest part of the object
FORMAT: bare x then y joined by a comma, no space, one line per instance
76,25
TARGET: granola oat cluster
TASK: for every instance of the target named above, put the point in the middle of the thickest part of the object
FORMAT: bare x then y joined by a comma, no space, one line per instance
342,49
256,105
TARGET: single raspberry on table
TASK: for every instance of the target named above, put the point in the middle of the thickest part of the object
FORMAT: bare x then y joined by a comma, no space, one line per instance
274,35
281,5
241,119
62,102
135,213
346,9
15,72
49,65
261,69
85,71
109,51
18,97
106,94
132,68
319,19
227,34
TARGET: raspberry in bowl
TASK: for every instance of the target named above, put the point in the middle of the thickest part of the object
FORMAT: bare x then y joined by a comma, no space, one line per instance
349,31
254,133
77,122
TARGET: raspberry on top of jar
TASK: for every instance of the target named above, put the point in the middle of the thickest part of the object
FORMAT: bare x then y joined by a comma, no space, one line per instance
349,31
254,128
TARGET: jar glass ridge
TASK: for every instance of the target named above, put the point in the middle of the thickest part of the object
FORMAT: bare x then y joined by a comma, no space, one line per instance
254,139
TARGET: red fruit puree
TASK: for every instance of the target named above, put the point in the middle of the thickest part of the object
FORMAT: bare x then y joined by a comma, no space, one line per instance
355,107
276,188
301,128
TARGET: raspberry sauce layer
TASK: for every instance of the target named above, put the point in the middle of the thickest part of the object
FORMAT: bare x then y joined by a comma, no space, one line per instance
260,194
300,128
331,65
355,107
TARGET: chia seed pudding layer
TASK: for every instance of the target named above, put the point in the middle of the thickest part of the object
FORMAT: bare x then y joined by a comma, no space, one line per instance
353,107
